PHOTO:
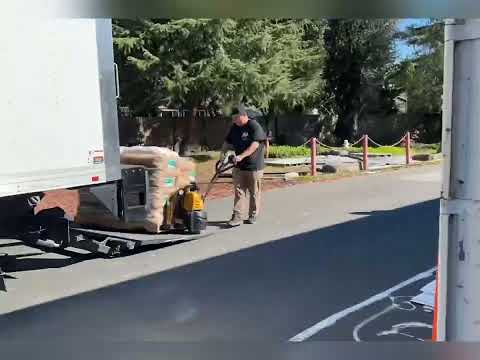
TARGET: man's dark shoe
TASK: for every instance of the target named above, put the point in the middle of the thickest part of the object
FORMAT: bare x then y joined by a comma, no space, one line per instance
252,220
236,221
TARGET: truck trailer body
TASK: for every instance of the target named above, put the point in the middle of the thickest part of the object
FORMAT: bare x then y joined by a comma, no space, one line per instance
58,111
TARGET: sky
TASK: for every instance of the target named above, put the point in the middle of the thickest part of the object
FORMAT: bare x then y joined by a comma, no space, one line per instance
403,50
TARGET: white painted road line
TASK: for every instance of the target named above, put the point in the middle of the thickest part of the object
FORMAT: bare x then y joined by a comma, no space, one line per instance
331,320
357,328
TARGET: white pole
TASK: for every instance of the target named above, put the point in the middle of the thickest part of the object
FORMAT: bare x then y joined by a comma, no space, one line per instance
459,245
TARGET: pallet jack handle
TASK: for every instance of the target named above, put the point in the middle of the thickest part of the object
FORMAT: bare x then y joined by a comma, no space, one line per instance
221,167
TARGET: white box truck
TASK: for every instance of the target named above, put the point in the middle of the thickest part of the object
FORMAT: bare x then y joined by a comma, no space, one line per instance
58,120
58,111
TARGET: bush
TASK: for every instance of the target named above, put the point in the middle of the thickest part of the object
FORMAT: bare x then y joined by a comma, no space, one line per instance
284,151
379,150
427,148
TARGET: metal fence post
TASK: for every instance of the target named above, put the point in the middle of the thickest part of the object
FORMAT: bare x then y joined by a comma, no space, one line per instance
365,152
313,156
408,144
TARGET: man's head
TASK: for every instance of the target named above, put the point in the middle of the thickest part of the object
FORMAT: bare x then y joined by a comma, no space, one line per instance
239,115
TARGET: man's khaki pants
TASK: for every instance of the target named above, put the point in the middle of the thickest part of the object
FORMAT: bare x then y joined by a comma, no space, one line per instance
247,181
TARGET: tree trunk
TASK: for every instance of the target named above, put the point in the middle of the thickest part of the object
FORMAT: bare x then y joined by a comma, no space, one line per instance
267,120
187,140
344,128
276,134
204,141
175,139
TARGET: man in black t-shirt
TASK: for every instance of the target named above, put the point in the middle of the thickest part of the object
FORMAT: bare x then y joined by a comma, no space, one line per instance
247,138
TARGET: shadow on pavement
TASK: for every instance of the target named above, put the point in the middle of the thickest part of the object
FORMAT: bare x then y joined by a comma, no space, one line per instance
29,263
266,292
219,224
371,213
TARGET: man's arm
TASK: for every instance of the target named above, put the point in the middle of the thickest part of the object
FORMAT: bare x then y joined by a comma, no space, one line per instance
225,147
249,151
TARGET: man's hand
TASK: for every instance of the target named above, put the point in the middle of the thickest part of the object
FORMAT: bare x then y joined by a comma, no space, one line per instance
251,149
238,159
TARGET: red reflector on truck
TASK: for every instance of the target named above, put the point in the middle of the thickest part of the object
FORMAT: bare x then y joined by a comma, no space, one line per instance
95,178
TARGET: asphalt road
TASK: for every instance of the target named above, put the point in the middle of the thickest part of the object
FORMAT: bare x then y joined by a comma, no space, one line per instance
317,251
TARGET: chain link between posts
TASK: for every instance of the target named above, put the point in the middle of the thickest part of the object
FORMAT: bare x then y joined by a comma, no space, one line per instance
393,145
370,140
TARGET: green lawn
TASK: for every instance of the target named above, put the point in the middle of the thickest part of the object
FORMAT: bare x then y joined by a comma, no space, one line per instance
422,149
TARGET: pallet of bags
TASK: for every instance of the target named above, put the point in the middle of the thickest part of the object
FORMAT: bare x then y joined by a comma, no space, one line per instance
186,172
92,212
162,186
161,168
186,175
162,171
166,190
166,172
151,157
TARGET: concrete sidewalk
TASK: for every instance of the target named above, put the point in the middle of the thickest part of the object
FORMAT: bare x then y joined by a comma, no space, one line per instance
376,162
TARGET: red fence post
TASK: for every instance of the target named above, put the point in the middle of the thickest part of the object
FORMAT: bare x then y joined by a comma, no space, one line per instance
365,152
313,156
408,143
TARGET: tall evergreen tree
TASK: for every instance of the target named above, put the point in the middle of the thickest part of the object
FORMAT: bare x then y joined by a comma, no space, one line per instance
358,61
